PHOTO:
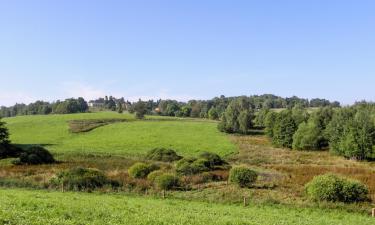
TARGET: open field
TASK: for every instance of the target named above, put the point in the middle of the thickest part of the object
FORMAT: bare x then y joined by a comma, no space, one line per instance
187,137
276,198
42,207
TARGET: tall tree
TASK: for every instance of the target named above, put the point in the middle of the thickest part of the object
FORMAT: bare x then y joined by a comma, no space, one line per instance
140,109
284,129
4,134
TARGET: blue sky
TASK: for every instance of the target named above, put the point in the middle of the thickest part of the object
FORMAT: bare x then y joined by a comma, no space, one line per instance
186,49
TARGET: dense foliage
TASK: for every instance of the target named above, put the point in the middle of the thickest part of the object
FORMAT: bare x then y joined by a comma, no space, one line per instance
163,154
167,182
348,131
43,108
333,188
243,176
154,174
80,179
4,134
283,130
140,109
238,117
206,161
141,170
35,155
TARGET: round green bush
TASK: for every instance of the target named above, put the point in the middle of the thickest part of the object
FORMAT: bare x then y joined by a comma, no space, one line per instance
141,170
163,155
243,176
82,179
35,155
190,166
154,174
333,188
167,182
212,159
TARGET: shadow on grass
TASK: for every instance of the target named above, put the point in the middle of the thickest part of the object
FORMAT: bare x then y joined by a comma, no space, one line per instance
26,146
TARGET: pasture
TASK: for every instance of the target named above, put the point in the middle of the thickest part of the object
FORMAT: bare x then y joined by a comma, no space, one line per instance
19,206
129,138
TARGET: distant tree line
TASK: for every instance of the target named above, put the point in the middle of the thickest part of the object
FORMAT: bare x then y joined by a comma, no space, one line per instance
210,109
348,131
215,108
70,105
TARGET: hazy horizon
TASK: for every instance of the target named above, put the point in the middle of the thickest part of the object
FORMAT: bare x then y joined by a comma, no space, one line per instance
186,50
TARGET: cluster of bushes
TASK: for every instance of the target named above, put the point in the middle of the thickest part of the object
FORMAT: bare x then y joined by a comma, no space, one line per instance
82,179
333,188
34,155
206,161
161,179
163,155
167,179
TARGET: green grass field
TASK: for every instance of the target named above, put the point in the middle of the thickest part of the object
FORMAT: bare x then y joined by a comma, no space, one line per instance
187,137
42,207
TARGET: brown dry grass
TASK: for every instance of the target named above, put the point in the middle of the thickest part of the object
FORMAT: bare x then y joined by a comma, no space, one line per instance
290,170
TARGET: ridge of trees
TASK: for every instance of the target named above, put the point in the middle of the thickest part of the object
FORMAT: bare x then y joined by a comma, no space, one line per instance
347,131
211,109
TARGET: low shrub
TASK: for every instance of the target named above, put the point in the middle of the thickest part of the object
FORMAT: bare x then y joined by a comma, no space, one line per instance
141,170
80,179
243,176
205,162
163,155
212,159
190,166
154,174
167,182
333,188
9,150
35,155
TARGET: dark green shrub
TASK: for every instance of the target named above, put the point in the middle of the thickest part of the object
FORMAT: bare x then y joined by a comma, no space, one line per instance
163,154
82,179
242,176
206,162
190,166
35,155
141,170
201,165
9,150
330,187
167,182
354,191
154,174
212,159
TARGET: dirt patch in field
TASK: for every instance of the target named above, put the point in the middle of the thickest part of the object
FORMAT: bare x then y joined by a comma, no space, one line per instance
79,126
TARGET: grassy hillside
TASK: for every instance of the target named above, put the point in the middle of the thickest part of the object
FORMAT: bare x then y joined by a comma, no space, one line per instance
42,207
127,138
